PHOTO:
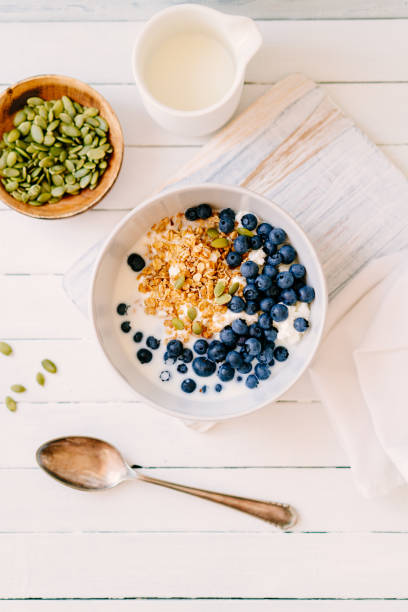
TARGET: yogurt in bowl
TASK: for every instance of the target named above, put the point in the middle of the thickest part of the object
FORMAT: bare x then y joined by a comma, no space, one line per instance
207,294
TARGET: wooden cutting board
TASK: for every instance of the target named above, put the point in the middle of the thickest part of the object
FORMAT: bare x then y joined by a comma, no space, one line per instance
295,146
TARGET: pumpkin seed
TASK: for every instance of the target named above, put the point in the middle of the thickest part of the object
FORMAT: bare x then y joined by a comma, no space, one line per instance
11,158
10,403
18,388
57,192
233,288
191,313
244,232
38,120
40,378
19,117
34,101
85,180
13,135
212,232
48,365
97,153
197,328
36,133
43,197
69,107
220,243
223,299
70,130
179,282
5,348
177,323
219,288
10,172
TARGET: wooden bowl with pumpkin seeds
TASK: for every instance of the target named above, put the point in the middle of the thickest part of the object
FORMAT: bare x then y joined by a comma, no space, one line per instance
89,176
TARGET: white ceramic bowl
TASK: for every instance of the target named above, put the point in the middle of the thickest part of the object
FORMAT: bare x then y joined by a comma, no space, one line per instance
118,246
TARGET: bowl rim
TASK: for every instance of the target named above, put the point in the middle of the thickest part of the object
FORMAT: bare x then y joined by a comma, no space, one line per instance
33,80
206,187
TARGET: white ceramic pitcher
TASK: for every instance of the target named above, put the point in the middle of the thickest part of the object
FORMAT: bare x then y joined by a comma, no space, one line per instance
238,35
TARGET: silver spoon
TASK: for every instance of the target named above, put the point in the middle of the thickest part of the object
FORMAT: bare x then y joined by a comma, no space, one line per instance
90,464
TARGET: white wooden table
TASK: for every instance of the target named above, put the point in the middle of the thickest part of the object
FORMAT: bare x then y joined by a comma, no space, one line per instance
138,547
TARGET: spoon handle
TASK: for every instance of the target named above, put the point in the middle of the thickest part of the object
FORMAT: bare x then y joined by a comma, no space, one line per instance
281,515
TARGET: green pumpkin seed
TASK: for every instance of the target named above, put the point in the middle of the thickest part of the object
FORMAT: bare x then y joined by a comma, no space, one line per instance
58,108
11,158
244,232
179,282
57,180
90,111
197,328
57,192
10,403
92,121
30,113
177,323
85,180
18,388
94,178
40,122
223,299
72,189
81,172
3,160
48,365
79,121
70,165
233,288
10,172
65,118
53,125
40,378
70,130
69,107
212,232
97,153
36,133
220,243
34,101
46,162
13,135
191,313
19,117
5,348
44,197
11,186
49,140
219,288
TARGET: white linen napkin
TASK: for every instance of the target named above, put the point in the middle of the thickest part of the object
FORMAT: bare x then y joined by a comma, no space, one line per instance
360,372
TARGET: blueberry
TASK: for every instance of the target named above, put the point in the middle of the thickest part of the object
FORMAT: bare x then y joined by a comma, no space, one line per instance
203,366
262,371
298,271
265,321
125,327
226,372
228,336
188,385
122,309
251,307
266,304
241,340
248,358
271,334
281,353
240,327
203,389
249,269
201,346
264,229
270,271
251,381
306,294
263,282
288,297
256,242
249,221
144,355
138,337
269,247
285,280
152,342
168,360
274,260
204,211
191,213
226,225
239,378
255,330
136,262
216,351
164,375
234,359
277,235
273,292
218,388
236,304
182,368
174,348
266,356
288,253
300,324
227,212
187,355
234,259
242,244
279,312
253,346
251,292
245,367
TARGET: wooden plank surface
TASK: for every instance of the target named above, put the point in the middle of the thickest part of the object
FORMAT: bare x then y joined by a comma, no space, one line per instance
127,10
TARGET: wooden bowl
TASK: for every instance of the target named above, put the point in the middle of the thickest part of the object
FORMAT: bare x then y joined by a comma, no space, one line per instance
49,87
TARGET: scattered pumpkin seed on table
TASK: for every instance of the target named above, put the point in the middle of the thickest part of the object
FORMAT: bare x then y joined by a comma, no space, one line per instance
40,378
18,388
5,348
51,142
49,366
10,403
